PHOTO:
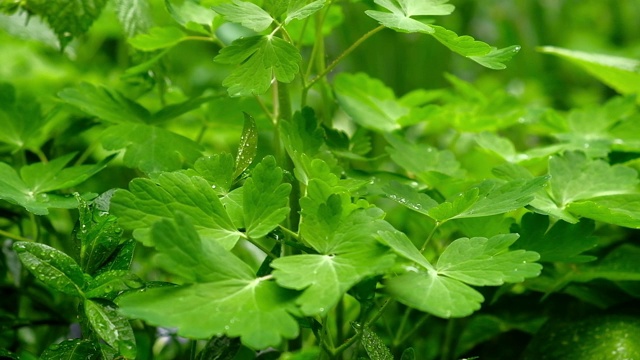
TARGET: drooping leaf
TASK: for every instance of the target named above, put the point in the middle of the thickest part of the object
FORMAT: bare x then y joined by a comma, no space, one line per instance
299,9
621,210
562,242
112,327
260,59
246,14
148,201
151,148
68,19
265,199
400,18
76,349
158,38
51,266
248,145
622,74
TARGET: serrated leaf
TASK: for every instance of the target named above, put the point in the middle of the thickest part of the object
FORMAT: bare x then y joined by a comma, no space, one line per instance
265,199
409,197
76,349
111,283
562,242
400,18
248,147
121,257
403,246
68,19
158,38
496,58
51,266
20,119
574,178
369,102
299,9
98,235
253,309
172,111
149,201
103,103
374,346
621,210
260,59
246,14
219,170
114,329
481,261
151,148
192,15
622,74
134,16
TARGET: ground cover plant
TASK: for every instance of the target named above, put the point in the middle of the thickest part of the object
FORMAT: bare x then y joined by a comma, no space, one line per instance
239,180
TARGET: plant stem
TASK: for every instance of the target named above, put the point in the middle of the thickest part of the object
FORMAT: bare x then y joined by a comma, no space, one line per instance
403,322
259,246
448,338
352,340
413,330
426,242
344,54
13,236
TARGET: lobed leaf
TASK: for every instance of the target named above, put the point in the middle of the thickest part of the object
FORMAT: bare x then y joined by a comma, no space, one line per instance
246,14
401,12
158,38
299,9
621,210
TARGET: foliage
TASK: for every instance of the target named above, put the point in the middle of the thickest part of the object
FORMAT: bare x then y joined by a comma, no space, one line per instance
193,181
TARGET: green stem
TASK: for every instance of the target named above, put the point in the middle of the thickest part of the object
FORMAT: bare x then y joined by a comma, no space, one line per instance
413,330
403,323
352,340
448,338
13,236
433,231
35,228
259,246
344,54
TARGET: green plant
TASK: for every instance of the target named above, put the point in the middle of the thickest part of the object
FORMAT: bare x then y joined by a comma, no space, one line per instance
348,222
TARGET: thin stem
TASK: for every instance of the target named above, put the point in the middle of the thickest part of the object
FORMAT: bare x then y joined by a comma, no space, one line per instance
35,228
340,323
403,322
292,234
433,231
259,246
86,153
13,236
448,338
414,329
352,340
344,54
264,108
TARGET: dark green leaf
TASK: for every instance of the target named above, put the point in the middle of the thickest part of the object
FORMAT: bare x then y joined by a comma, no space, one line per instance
622,210
121,257
374,346
99,235
248,145
114,329
174,110
220,348
76,349
20,119
111,283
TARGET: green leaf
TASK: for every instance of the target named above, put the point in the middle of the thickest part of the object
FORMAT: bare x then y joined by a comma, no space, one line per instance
299,9
76,349
248,147
121,257
621,74
150,201
265,199
220,348
192,16
134,16
51,266
369,102
20,119
99,236
109,284
481,261
409,197
621,210
574,178
219,170
563,242
105,104
150,148
400,19
68,20
254,309
402,245
374,346
246,14
496,58
158,38
114,329
260,59
174,110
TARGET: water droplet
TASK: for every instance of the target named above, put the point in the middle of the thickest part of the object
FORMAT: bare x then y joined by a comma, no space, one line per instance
226,327
213,186
321,309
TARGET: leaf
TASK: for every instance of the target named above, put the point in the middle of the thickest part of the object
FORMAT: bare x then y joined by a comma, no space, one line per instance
621,210
265,199
374,346
260,59
563,242
219,170
53,267
20,119
248,147
299,9
481,261
105,104
114,329
192,16
246,14
134,16
400,19
574,178
149,201
98,236
621,74
369,102
496,58
409,197
76,349
254,309
109,284
120,259
151,148
220,348
158,38
403,246
174,110
68,20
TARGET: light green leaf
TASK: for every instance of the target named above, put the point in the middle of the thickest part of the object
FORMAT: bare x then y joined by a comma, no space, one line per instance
183,253
621,210
20,119
68,19
409,197
76,349
105,104
400,18
172,111
158,38
496,58
621,74
403,246
260,59
192,15
574,178
150,148
299,9
265,199
245,13
481,261
51,266
369,102
219,170
248,145
114,329
134,16
437,295
148,202
256,310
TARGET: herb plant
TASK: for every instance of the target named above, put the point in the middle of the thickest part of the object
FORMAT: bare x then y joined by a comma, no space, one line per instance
288,209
